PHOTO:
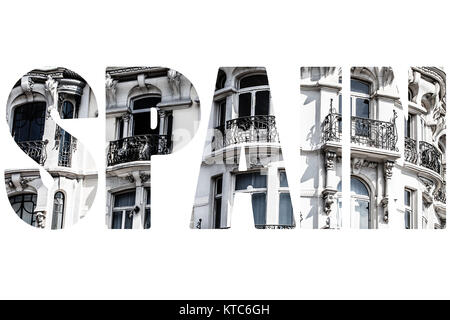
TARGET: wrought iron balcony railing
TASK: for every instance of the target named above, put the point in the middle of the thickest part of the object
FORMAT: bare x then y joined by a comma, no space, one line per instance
137,148
65,154
369,132
245,130
427,155
35,150
274,226
332,127
374,133
411,150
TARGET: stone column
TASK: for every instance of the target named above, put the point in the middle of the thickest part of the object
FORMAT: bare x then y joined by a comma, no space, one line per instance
328,194
162,122
126,124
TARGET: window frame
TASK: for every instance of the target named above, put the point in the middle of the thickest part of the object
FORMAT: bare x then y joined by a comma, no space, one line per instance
147,206
409,209
133,112
33,214
253,190
284,190
63,211
253,90
123,210
216,197
363,96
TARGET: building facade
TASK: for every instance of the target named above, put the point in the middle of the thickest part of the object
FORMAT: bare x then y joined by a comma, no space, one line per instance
397,151
33,99
149,111
242,156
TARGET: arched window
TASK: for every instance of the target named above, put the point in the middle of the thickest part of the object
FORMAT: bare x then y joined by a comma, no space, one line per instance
360,217
221,79
24,205
58,210
360,204
142,115
254,96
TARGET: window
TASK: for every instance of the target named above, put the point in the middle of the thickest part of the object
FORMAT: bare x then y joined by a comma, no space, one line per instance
123,210
142,115
361,204
58,211
218,185
424,223
254,96
360,217
409,126
360,107
408,202
285,211
147,216
256,184
221,79
422,131
29,121
24,205
65,139
221,113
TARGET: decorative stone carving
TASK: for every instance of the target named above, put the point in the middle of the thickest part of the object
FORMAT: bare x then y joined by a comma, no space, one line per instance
130,178
174,82
358,163
144,177
328,197
384,203
330,160
40,219
388,166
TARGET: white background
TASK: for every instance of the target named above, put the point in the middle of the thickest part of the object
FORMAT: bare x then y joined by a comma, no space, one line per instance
195,38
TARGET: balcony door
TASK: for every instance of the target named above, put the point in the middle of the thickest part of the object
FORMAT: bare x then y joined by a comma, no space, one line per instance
360,205
360,107
142,116
254,96
360,217
29,122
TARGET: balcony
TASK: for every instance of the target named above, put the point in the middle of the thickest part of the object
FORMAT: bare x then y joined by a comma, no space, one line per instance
35,150
252,129
137,148
364,131
426,155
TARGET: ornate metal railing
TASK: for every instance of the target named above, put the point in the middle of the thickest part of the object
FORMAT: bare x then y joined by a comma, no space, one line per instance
369,132
427,155
274,226
35,150
137,148
375,133
332,127
411,150
65,154
245,130
430,156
